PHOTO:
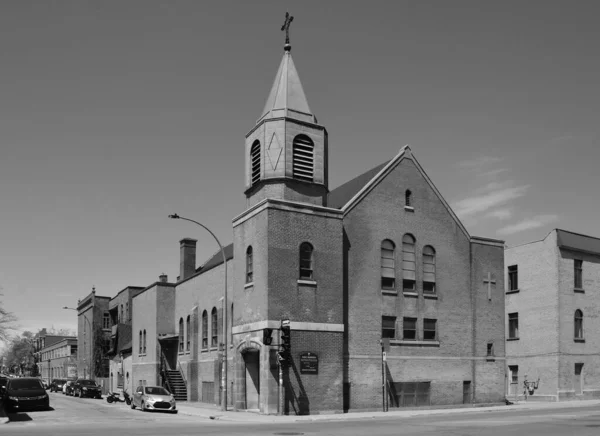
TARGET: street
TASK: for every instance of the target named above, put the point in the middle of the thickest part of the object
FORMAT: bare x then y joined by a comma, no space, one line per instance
75,416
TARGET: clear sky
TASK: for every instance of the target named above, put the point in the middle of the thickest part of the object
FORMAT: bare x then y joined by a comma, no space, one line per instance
114,114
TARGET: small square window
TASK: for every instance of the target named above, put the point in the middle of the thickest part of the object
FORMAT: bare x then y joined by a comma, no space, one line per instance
408,285
428,287
388,327
429,329
388,283
409,329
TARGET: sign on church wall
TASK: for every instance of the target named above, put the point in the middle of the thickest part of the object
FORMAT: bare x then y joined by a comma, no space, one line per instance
309,363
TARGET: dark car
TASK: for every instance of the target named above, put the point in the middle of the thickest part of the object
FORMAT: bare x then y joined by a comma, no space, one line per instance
86,388
26,393
3,381
57,384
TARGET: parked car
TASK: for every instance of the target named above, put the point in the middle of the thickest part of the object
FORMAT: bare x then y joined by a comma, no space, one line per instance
68,387
3,380
25,393
153,398
86,388
57,384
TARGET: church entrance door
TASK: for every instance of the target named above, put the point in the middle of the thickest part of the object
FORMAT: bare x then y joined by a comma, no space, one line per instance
252,363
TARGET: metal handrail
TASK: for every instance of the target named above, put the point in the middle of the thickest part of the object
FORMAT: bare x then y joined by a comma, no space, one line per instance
181,372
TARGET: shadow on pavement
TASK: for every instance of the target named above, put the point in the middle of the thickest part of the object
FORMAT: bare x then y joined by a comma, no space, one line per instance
24,416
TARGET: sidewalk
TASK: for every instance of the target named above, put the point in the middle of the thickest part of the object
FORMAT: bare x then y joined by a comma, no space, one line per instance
209,411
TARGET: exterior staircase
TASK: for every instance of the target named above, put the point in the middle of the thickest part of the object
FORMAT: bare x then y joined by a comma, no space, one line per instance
176,384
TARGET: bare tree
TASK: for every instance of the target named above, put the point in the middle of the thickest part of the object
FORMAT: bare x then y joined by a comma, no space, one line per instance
7,323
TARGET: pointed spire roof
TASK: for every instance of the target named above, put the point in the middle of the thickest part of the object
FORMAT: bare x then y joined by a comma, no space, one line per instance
287,98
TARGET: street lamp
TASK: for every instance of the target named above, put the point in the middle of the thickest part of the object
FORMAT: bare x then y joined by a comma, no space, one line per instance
91,364
224,372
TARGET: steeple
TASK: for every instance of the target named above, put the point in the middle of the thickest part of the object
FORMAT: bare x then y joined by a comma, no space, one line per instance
286,151
287,98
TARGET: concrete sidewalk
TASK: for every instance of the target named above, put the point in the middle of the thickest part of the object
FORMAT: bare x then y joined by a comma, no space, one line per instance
209,411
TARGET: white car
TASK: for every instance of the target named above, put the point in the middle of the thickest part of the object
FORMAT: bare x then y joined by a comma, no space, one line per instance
153,398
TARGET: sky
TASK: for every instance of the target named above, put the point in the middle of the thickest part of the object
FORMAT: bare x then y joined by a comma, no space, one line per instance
116,113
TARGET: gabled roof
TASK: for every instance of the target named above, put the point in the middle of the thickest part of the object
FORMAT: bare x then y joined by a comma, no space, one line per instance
287,93
577,242
352,192
344,193
217,259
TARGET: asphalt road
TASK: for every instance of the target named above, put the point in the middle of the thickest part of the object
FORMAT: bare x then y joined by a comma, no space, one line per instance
74,416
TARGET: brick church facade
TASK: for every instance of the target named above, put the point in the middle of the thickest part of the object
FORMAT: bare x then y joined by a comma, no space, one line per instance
381,259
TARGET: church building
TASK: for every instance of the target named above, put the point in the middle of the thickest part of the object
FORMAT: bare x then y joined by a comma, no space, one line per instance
377,280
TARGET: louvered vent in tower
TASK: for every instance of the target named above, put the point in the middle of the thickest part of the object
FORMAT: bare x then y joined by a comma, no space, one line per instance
255,159
304,158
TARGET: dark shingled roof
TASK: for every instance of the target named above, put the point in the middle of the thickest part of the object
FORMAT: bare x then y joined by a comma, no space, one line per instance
217,259
344,193
575,241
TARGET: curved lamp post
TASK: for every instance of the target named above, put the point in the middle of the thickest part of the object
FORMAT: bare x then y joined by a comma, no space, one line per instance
224,372
91,365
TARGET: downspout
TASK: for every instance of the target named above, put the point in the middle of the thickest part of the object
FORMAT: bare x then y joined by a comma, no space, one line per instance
473,323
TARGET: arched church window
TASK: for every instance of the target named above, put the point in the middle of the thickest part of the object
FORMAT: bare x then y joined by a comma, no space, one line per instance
388,265
140,348
408,198
303,158
408,263
144,343
255,161
249,265
214,328
306,261
428,269
187,330
180,335
205,330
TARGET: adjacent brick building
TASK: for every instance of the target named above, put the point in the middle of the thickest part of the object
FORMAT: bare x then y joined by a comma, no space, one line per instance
382,257
93,338
120,351
56,356
552,306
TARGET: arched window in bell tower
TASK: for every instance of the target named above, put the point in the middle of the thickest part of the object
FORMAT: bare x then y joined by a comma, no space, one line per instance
255,161
303,158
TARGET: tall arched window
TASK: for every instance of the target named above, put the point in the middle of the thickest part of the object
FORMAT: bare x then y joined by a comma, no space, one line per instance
144,341
214,328
121,318
388,265
205,329
126,312
303,158
428,269
255,161
140,344
408,263
408,198
249,265
180,334
231,325
187,331
578,324
306,261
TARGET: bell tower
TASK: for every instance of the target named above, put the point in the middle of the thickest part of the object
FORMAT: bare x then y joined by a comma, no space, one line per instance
286,151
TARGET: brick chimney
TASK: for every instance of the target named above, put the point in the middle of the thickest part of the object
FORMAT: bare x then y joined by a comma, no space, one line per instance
187,257
163,278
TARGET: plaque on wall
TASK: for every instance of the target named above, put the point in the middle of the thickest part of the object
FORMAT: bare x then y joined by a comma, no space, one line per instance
309,363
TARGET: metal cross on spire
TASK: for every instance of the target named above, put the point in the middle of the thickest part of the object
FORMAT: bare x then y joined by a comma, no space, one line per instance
286,27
